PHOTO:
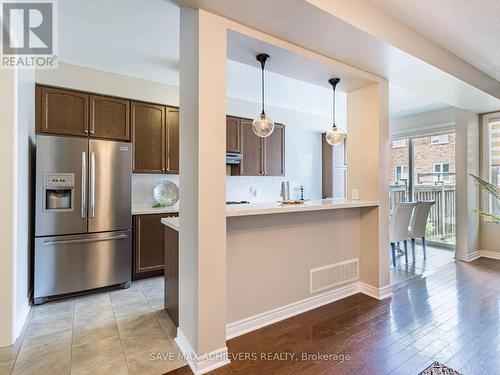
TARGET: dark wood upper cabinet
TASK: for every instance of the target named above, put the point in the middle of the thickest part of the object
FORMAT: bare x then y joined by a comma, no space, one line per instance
274,152
252,149
233,134
148,137
109,118
172,140
62,112
261,156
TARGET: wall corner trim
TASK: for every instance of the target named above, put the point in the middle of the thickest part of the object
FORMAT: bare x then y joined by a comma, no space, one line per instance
22,317
377,293
201,364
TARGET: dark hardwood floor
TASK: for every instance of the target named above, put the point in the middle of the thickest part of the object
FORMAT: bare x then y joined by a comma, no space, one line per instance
451,316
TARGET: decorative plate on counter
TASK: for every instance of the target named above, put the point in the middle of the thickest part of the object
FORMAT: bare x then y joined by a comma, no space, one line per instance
166,193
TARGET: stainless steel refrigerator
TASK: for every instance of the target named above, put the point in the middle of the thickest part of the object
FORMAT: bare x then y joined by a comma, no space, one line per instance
83,216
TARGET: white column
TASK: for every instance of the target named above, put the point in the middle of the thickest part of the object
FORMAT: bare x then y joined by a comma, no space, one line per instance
367,158
202,241
467,194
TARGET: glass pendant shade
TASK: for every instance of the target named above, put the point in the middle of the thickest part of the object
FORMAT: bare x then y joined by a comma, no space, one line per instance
263,125
334,137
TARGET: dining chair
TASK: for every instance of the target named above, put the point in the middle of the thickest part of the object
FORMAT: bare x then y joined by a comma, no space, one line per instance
418,224
400,223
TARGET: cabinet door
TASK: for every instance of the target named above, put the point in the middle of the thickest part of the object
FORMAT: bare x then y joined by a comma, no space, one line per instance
148,245
109,118
233,134
274,152
172,140
172,274
148,137
63,112
252,149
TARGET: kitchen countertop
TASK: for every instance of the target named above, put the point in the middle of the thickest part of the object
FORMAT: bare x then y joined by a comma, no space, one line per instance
278,208
171,222
146,208
252,209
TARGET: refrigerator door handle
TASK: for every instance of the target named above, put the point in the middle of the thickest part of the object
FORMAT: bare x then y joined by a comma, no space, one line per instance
84,240
92,184
84,185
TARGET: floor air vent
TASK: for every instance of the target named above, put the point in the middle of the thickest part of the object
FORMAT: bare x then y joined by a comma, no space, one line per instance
334,274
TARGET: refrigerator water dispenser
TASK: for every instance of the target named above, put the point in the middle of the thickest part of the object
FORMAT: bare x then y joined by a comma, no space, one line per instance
58,191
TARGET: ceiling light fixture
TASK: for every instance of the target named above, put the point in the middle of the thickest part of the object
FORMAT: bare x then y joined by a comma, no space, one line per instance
263,125
334,136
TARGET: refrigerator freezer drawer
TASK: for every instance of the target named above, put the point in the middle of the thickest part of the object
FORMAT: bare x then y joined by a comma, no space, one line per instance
75,263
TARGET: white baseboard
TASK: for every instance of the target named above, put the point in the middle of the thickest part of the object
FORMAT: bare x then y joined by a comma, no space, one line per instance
201,364
489,254
21,317
266,318
480,254
377,293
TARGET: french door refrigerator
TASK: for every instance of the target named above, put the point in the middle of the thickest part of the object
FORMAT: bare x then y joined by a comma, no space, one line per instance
83,216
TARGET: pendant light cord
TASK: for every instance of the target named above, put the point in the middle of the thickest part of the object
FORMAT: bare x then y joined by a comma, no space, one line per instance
262,65
333,82
334,107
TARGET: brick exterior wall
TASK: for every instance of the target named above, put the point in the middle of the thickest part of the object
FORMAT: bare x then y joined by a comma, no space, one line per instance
425,155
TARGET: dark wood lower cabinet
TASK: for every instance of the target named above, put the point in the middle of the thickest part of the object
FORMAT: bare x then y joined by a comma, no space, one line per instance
172,274
149,245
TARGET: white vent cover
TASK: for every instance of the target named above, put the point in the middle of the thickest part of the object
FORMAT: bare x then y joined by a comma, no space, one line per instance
334,274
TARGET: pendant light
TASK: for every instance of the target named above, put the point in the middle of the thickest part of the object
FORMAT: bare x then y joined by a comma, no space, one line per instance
334,136
263,125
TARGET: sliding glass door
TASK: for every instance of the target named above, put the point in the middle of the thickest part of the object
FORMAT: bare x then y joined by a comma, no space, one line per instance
423,169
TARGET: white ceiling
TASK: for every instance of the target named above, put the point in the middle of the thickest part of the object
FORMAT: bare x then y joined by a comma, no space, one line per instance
468,29
141,39
244,49
313,24
403,102
129,37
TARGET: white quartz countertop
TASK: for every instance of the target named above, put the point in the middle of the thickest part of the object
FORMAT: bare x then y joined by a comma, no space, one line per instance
278,208
171,222
146,208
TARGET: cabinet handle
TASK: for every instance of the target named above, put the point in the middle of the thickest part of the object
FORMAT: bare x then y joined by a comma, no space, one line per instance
92,185
84,185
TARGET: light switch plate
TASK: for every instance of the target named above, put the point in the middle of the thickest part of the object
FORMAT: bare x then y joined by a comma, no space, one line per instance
354,194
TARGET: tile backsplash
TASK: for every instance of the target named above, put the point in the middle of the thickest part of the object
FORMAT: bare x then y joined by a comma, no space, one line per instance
143,185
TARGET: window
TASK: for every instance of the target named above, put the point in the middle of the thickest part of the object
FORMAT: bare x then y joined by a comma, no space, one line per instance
439,139
441,171
401,173
400,143
494,161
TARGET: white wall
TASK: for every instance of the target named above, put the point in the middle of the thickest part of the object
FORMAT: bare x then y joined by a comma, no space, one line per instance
24,173
17,119
7,150
441,120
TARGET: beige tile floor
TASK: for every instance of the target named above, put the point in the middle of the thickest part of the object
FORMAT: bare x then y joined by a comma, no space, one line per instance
116,332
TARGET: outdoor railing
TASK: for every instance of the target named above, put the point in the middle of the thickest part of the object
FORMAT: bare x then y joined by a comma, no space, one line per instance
442,222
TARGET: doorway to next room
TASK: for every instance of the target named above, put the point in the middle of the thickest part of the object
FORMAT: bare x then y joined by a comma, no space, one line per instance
422,197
